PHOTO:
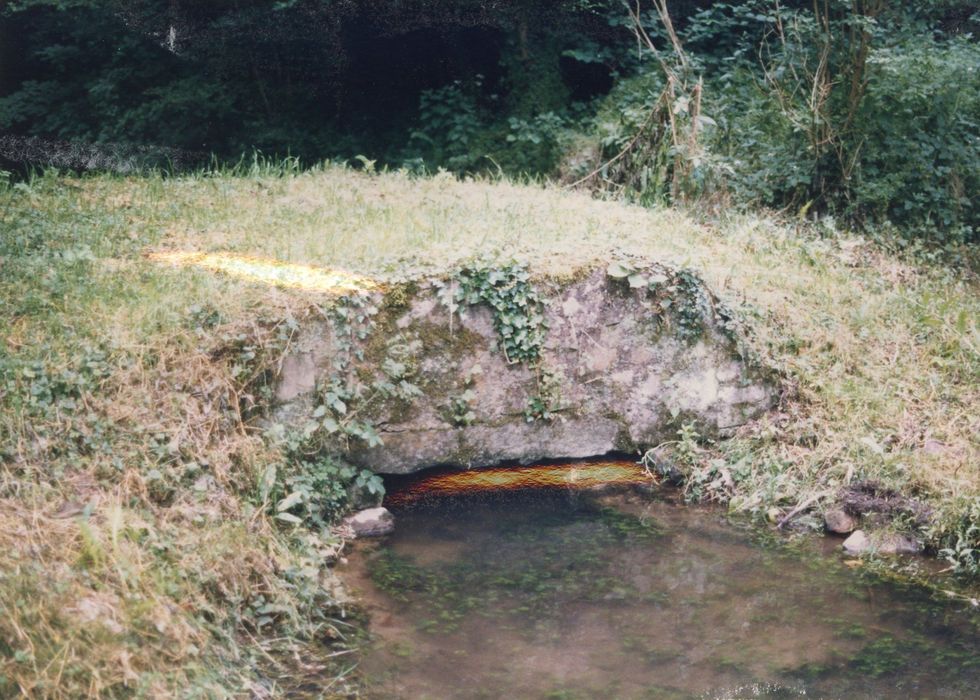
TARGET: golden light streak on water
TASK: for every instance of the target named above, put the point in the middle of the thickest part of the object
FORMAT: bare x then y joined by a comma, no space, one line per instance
270,271
573,475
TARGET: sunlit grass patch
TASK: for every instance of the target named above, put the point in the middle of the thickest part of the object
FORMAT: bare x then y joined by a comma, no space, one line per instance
255,269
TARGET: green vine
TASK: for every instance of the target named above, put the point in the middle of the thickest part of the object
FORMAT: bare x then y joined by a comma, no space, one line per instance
314,484
680,295
344,397
460,412
518,310
546,403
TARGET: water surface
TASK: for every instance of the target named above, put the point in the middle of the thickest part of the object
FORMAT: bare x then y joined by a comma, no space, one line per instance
559,595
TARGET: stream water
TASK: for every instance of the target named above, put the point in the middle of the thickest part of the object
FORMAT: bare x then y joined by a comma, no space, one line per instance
560,595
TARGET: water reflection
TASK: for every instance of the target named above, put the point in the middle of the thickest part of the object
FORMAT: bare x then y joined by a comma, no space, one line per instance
571,595
570,476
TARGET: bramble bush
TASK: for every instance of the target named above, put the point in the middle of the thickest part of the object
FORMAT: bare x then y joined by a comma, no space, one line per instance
863,112
920,160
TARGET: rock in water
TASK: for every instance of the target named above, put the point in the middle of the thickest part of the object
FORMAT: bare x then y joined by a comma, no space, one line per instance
838,521
373,522
857,543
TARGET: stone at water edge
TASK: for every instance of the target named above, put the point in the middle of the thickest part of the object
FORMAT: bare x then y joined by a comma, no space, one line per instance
838,521
888,543
373,522
893,543
857,543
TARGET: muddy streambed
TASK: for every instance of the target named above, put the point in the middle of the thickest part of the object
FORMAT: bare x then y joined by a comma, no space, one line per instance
560,594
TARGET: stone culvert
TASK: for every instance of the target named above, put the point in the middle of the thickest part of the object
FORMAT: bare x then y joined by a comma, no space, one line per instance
626,355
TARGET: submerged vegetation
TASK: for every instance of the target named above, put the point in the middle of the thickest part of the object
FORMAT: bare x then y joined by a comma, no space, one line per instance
567,568
649,599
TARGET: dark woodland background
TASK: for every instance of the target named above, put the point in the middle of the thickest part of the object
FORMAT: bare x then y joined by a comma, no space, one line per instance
866,110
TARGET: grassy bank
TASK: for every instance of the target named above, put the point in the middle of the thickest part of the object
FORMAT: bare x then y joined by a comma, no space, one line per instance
138,551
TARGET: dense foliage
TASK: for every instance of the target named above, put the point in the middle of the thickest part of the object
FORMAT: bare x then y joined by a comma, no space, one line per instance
862,110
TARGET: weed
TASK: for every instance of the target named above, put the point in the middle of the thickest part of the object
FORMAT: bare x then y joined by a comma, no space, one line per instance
959,537
315,491
546,402
459,412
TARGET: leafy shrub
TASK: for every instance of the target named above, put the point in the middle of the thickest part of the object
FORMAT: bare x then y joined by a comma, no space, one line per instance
315,490
959,538
865,112
767,160
625,110
919,164
463,131
450,122
534,144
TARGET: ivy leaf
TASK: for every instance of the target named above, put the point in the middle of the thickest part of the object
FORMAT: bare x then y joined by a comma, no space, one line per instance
366,433
618,270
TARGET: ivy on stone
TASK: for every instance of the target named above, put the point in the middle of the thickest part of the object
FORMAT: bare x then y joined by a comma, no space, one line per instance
679,293
518,309
547,402
343,398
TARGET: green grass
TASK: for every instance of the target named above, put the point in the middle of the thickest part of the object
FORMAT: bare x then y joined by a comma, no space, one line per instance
125,385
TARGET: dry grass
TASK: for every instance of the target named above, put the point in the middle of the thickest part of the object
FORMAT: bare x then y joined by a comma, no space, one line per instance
133,553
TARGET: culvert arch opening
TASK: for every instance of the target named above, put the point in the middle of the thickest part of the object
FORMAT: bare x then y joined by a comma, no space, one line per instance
551,476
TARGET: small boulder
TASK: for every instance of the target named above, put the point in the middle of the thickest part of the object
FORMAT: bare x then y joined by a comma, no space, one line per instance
373,522
883,543
893,543
857,543
838,521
